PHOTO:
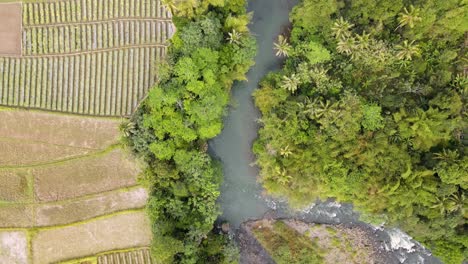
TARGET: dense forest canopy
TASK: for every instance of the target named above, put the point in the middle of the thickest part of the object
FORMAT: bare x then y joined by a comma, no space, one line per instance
370,108
211,49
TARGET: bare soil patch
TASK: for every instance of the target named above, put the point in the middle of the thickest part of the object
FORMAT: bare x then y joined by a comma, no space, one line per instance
92,175
14,186
117,232
74,211
13,247
10,28
58,129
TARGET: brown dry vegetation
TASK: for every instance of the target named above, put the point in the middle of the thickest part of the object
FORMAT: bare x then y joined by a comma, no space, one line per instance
10,29
14,186
74,211
23,154
58,129
16,215
85,176
117,232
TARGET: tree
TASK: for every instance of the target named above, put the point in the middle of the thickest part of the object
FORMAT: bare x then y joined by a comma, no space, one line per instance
346,45
342,29
290,83
379,121
407,51
234,37
409,17
282,47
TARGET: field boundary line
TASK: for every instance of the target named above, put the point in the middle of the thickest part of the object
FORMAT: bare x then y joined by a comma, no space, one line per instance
79,53
89,220
35,228
56,162
112,117
10,139
90,196
61,113
74,199
109,20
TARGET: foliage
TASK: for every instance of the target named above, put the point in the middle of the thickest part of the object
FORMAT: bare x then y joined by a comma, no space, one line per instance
171,129
285,245
370,108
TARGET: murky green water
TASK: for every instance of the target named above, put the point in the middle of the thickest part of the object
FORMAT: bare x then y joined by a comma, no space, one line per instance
240,195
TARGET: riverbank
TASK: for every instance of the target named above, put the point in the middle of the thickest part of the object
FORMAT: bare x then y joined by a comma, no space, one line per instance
291,241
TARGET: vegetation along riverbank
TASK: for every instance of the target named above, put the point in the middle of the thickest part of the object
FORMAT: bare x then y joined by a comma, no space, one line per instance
211,49
370,108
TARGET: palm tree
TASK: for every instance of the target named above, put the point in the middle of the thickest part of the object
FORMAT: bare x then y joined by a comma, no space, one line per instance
282,47
346,45
285,152
407,51
342,28
319,75
453,203
458,202
127,128
171,4
363,41
234,37
447,155
291,83
282,176
323,108
409,17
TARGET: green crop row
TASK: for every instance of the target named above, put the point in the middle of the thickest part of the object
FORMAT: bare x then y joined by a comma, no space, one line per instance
91,10
86,37
106,83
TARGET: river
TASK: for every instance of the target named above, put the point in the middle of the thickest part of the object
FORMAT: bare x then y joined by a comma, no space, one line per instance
241,195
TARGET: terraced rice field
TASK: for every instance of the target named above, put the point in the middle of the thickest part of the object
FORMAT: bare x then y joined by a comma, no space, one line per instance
68,188
68,206
88,57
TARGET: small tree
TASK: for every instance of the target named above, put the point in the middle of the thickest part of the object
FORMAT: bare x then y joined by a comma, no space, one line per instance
282,47
234,37
409,17
407,51
342,28
290,83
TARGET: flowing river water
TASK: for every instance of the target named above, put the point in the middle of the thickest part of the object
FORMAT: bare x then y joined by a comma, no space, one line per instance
242,196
